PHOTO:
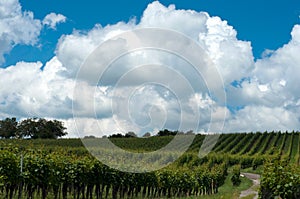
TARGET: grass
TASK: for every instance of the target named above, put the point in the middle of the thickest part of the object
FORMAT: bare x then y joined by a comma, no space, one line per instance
258,170
251,196
228,190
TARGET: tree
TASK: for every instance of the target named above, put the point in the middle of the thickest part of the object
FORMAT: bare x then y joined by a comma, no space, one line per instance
146,135
118,135
41,128
55,129
166,132
89,137
190,132
8,128
27,128
130,135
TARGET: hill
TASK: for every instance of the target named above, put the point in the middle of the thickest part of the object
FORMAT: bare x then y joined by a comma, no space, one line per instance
65,168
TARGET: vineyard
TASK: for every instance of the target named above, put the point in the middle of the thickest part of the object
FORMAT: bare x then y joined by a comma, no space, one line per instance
64,169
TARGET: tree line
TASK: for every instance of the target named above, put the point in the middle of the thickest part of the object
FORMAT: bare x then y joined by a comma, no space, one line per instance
33,128
160,133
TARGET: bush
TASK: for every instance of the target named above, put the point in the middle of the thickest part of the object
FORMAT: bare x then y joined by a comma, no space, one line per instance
235,178
280,179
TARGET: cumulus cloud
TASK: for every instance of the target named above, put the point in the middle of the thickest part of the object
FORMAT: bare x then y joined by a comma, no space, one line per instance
53,19
270,96
16,27
148,89
35,92
73,49
262,118
213,34
279,72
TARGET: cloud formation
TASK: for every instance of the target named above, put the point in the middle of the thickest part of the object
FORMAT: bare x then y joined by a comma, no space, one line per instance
32,91
261,95
52,19
16,27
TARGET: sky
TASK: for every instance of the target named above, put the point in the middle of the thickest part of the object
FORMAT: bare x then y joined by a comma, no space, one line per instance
254,46
274,19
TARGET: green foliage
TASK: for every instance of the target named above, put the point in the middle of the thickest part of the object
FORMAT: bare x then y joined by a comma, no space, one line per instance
64,168
235,178
280,179
130,134
1,181
31,128
9,171
127,135
166,132
146,135
41,128
55,173
8,127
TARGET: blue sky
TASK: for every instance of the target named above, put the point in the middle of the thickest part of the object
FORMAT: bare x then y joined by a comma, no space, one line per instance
254,46
267,24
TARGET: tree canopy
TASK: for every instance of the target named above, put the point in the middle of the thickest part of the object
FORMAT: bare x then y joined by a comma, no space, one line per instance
127,135
166,132
31,128
8,127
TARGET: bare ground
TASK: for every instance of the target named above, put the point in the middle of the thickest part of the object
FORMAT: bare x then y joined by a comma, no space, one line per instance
253,189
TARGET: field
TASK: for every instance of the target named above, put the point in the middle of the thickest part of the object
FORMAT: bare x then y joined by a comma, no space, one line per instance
63,168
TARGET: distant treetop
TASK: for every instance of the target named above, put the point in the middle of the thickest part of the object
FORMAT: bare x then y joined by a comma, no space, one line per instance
33,128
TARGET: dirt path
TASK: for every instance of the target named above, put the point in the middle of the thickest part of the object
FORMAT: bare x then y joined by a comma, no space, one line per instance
253,188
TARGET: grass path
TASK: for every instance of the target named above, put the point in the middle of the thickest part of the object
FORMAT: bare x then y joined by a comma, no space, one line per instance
252,192
228,191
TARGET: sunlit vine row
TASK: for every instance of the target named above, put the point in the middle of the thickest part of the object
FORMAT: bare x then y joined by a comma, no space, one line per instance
72,176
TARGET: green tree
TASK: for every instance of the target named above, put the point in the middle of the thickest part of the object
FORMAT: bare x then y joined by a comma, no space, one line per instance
27,128
41,128
8,128
146,135
55,129
166,132
130,134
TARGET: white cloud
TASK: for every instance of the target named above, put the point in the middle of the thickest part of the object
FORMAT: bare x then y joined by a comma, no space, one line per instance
215,36
261,118
227,52
279,72
53,19
16,27
264,96
73,49
271,97
35,92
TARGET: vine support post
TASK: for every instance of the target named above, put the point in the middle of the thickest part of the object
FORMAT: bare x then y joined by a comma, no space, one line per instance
21,176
